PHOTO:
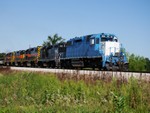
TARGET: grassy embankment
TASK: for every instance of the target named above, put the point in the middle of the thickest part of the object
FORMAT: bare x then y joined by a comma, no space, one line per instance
32,92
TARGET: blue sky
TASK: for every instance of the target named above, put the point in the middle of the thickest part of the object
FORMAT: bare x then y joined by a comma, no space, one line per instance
29,22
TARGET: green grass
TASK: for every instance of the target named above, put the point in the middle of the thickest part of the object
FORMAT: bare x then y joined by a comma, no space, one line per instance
26,92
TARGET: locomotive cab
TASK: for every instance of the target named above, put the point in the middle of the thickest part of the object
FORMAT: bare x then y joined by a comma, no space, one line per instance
110,45
114,57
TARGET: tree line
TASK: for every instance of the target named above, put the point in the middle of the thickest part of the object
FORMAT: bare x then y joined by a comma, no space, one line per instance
136,62
2,55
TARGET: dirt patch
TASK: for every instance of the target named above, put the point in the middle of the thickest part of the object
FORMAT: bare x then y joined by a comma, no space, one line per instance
4,69
90,78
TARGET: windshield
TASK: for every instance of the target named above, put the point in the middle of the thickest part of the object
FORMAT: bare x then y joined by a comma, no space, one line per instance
110,39
106,39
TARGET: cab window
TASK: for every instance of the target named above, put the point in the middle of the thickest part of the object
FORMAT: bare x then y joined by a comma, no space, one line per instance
115,39
88,38
92,41
104,39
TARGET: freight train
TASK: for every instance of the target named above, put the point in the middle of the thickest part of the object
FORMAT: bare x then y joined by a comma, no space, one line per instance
102,51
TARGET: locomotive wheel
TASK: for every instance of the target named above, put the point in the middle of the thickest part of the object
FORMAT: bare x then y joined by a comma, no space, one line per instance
107,67
40,65
125,67
53,65
100,67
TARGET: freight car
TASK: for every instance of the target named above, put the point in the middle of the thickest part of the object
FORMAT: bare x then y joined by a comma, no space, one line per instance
102,51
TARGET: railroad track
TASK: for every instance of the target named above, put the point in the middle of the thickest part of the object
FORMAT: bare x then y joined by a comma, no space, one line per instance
117,74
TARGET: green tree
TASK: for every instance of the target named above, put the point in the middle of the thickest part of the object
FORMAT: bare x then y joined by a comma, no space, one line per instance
147,64
2,55
52,40
137,63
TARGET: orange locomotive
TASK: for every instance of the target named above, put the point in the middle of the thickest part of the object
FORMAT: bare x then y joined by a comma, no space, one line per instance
27,57
9,59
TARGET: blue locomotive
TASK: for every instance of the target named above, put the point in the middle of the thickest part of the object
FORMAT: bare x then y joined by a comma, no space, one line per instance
102,51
